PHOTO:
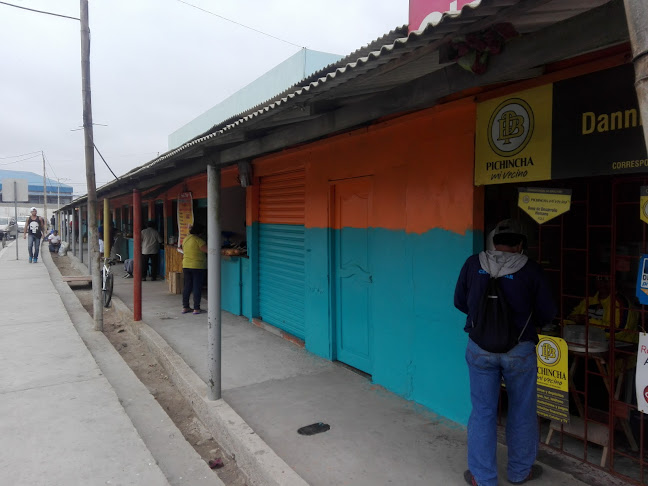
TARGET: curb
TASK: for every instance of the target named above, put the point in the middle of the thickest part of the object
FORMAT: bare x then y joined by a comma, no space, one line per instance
176,458
255,458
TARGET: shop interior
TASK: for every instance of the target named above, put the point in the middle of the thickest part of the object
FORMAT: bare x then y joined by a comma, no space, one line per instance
590,254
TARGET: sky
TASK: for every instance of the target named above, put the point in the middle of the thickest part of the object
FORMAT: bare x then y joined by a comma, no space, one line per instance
155,65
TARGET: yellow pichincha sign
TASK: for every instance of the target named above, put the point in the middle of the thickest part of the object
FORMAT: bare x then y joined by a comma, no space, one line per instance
544,204
514,137
553,379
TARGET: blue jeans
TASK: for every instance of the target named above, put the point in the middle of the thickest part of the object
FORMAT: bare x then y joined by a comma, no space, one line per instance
518,367
193,282
33,242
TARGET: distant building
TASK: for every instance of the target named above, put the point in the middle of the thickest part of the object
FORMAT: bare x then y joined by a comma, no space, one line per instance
56,193
262,89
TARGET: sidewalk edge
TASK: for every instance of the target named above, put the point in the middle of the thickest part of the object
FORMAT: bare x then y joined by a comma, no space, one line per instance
256,459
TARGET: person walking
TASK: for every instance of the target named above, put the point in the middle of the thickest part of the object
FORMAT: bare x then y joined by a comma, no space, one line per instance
194,268
151,240
34,227
523,287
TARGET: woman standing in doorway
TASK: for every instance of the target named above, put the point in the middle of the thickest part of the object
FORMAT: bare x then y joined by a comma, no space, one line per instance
194,268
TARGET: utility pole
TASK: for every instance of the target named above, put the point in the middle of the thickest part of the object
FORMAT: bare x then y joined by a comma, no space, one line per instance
93,242
44,190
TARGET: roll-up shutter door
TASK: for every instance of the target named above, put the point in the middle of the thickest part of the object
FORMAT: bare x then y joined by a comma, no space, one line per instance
281,251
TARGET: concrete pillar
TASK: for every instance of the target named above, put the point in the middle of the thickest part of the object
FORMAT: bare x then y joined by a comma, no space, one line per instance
214,280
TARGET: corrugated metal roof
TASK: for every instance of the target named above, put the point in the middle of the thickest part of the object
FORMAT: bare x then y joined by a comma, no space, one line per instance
421,45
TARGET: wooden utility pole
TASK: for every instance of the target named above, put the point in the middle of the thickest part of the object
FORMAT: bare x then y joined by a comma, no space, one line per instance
93,242
44,192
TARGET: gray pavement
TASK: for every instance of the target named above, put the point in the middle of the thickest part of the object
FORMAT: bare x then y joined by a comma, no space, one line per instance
376,437
61,421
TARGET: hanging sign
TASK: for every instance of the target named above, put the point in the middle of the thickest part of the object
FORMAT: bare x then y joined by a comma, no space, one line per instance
544,204
553,384
513,139
643,204
571,128
642,280
642,373
185,216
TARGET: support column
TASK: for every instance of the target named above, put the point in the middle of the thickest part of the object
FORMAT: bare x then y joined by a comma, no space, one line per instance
137,255
74,220
81,251
107,224
214,280
637,18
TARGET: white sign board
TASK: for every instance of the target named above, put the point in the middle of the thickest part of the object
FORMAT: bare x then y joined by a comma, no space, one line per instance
642,373
18,192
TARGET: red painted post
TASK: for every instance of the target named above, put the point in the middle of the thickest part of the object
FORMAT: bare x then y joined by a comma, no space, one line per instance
137,255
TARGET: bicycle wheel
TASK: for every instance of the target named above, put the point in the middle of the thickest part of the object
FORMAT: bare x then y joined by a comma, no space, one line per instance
107,292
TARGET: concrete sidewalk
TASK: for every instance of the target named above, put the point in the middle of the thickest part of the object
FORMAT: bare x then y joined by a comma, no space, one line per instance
376,437
61,421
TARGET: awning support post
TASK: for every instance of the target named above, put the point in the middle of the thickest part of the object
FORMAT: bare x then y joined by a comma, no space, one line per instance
214,280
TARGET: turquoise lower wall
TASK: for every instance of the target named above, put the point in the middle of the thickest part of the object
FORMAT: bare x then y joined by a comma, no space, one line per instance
418,339
418,342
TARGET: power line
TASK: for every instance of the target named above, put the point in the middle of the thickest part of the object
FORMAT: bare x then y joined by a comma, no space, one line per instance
39,11
104,161
21,160
240,24
20,155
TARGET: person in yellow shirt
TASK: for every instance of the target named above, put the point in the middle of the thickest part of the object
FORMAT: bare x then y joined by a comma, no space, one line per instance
194,268
599,307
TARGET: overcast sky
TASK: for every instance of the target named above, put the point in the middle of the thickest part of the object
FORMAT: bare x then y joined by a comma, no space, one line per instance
156,64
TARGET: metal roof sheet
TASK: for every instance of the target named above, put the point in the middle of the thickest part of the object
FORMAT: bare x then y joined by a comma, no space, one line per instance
422,46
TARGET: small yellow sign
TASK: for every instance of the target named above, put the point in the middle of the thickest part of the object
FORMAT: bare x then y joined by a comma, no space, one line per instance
544,204
553,381
643,204
513,141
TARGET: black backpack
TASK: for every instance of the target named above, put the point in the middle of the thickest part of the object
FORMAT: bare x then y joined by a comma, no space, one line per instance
494,329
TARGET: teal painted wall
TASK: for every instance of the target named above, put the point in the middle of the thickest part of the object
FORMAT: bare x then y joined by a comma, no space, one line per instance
418,339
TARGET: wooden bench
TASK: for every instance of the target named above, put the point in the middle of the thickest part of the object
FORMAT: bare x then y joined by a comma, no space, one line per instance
77,278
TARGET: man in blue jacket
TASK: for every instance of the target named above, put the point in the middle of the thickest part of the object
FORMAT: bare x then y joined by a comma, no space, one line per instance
529,298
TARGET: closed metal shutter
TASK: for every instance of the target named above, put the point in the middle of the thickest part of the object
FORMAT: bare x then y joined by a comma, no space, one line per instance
281,251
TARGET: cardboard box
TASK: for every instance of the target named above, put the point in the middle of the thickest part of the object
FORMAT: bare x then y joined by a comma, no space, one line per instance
176,282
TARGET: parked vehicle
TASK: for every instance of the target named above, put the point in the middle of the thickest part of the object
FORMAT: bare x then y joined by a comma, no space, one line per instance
7,227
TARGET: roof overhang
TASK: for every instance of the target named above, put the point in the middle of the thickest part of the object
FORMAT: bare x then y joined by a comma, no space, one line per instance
404,75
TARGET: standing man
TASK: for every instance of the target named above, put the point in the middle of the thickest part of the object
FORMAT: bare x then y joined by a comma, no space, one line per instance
35,225
528,301
151,240
53,221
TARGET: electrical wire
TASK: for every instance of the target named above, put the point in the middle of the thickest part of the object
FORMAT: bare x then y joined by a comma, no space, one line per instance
21,160
240,24
39,11
104,161
20,155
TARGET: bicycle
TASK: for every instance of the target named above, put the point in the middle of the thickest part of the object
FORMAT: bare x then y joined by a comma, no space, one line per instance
107,279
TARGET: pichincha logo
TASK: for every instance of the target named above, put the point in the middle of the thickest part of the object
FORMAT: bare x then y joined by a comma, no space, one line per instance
510,127
548,352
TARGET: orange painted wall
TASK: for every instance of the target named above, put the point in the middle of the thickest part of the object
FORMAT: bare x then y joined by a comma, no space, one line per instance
422,166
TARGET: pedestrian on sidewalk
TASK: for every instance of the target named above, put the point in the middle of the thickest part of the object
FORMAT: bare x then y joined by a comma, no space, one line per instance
34,226
151,240
525,300
194,268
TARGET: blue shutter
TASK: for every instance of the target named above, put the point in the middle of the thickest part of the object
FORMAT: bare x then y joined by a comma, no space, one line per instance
281,251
